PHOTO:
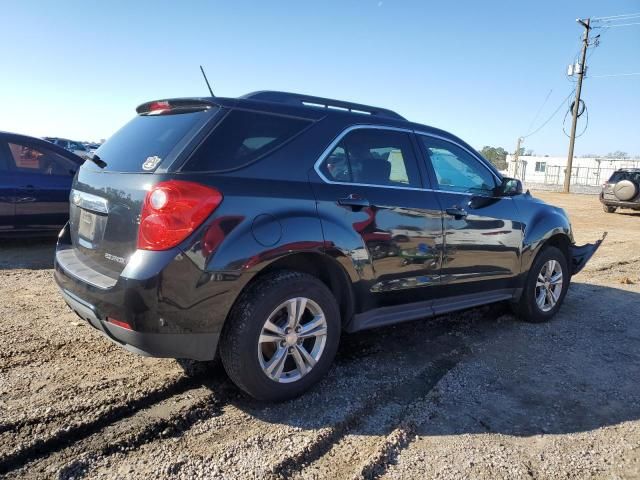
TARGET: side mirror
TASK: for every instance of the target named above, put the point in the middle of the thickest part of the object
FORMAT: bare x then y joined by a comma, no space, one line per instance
510,187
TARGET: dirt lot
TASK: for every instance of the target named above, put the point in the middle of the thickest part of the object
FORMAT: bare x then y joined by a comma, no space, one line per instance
472,395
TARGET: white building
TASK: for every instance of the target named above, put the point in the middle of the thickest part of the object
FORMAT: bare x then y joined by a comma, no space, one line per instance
590,171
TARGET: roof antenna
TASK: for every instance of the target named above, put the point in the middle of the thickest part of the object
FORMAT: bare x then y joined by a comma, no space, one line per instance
206,80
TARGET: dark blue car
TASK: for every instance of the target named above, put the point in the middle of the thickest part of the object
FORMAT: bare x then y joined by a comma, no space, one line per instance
35,180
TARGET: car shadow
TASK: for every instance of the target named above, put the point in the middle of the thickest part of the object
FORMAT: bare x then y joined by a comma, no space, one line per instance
27,253
482,371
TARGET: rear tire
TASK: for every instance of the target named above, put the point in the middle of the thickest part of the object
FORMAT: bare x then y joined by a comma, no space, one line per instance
281,336
545,288
608,209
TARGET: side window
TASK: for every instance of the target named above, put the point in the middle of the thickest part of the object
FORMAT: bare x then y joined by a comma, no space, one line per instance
373,157
456,169
28,159
242,137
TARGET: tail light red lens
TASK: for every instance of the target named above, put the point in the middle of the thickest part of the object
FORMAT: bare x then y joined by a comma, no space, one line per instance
172,210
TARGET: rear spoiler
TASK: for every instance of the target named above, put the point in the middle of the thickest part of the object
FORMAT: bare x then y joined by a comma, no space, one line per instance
160,107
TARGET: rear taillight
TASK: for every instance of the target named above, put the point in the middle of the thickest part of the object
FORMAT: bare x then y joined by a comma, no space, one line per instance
172,210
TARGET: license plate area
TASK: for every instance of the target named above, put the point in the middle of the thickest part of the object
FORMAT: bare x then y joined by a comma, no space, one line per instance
87,225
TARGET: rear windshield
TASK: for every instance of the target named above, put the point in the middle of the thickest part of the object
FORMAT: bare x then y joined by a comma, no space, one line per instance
242,137
622,175
146,137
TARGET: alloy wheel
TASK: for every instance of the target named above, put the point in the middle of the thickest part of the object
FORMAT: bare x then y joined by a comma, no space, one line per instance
549,285
292,340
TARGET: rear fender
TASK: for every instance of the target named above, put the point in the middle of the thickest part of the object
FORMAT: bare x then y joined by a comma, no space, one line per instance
348,247
229,250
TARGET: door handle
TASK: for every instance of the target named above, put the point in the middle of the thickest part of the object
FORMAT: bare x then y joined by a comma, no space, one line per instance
354,201
456,212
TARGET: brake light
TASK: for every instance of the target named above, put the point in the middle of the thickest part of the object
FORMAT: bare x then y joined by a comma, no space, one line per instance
159,107
172,210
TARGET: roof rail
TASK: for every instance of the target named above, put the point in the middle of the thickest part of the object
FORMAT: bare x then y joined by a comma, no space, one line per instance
320,102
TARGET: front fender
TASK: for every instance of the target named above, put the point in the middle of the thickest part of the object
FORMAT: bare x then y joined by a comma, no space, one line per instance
544,224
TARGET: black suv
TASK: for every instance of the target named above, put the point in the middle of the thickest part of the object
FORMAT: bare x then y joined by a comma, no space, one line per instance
263,226
622,190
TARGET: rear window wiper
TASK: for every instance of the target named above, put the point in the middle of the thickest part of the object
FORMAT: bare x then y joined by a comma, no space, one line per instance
98,161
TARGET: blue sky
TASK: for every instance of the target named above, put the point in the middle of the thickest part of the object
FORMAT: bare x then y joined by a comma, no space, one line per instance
479,69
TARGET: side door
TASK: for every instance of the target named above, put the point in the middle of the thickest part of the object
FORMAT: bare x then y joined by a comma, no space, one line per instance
44,182
482,231
7,191
374,208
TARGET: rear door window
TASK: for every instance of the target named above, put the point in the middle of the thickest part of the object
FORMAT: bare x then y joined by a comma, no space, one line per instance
241,138
30,159
373,156
149,137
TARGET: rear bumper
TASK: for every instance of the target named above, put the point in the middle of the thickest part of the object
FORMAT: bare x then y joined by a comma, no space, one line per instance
196,346
175,309
580,255
619,203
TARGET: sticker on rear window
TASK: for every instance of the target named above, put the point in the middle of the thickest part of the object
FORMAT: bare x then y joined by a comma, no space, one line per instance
151,162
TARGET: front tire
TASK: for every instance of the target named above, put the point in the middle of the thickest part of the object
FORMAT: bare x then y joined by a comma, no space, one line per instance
546,286
282,336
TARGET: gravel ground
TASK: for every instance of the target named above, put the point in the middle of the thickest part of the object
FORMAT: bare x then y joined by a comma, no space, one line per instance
477,394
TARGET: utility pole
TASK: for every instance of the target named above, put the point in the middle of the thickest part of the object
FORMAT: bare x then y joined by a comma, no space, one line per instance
516,155
576,103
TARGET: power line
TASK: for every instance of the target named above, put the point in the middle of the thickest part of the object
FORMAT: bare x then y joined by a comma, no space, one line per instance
619,25
580,112
555,112
611,17
540,109
615,75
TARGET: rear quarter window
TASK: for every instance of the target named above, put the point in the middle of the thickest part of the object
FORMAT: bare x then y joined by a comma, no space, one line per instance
241,138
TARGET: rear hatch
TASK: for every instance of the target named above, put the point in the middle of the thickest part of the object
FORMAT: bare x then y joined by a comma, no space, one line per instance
109,192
